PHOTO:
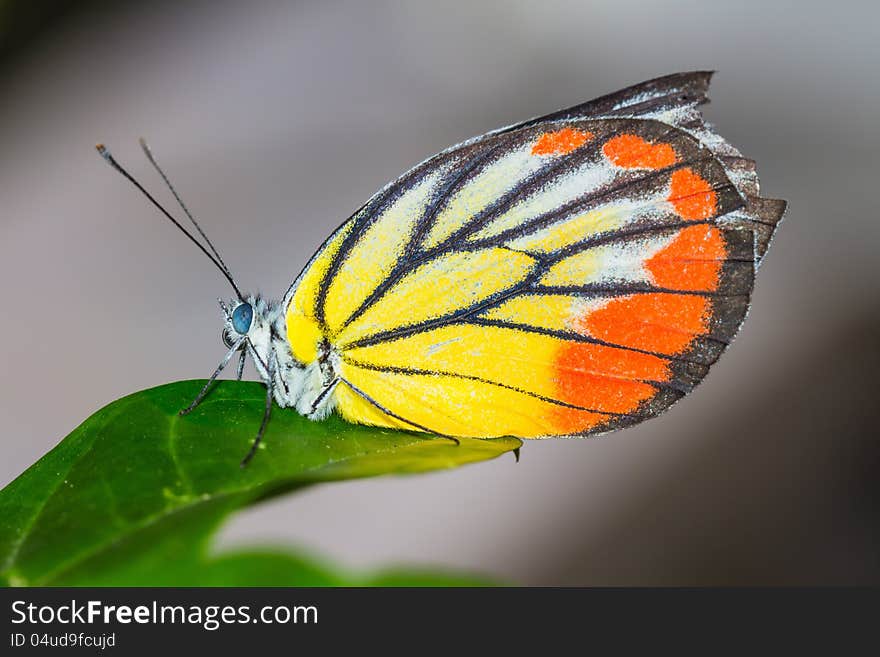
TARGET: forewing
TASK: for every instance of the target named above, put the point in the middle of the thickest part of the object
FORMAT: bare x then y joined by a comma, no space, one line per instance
568,275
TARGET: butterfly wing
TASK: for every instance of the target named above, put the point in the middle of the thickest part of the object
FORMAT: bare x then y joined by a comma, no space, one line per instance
568,275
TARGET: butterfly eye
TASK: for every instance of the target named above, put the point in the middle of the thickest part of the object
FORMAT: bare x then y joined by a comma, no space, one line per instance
242,317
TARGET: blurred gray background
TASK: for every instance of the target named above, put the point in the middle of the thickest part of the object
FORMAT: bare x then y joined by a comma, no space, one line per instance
277,119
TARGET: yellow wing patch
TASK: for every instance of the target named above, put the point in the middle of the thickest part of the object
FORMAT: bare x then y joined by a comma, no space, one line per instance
377,250
549,311
303,331
355,408
306,291
439,287
453,406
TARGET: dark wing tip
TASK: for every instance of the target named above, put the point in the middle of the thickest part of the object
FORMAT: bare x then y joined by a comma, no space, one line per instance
669,91
688,88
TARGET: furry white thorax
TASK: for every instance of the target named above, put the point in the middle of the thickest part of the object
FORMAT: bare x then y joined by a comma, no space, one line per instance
307,387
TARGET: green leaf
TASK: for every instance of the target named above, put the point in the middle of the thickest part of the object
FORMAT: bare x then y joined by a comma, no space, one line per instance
136,485
268,567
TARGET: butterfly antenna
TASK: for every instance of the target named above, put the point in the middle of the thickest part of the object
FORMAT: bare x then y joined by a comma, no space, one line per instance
149,153
108,157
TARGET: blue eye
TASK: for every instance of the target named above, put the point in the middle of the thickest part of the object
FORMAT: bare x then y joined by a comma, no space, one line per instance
242,317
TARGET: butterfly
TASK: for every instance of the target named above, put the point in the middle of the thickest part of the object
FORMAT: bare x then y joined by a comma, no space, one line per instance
569,275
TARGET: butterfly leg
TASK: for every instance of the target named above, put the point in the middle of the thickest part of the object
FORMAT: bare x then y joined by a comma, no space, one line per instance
241,360
322,396
204,390
270,384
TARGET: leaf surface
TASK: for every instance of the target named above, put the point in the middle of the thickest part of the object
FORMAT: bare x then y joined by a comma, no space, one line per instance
136,485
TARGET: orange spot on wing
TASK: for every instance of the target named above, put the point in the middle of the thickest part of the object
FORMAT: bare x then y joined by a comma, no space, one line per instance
633,152
665,323
691,196
692,261
560,142
600,360
602,378
567,420
612,379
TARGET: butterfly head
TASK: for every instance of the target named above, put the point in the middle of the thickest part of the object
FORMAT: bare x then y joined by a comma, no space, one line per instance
239,320
248,326
245,319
